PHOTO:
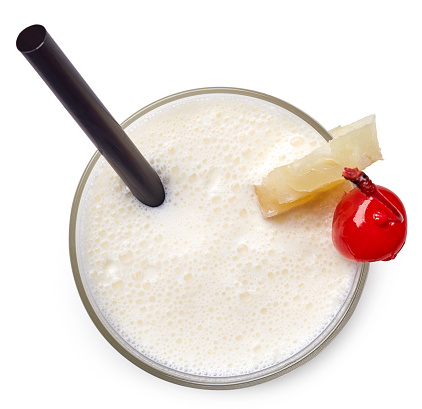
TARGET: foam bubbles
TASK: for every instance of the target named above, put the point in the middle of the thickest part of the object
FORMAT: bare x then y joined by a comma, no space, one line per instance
204,284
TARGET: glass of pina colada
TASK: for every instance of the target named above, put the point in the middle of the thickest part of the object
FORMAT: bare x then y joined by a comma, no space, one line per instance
204,290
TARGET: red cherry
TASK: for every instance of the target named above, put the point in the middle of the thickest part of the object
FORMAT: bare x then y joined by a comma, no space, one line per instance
369,223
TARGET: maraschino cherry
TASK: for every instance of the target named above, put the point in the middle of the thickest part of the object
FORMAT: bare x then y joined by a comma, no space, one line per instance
369,223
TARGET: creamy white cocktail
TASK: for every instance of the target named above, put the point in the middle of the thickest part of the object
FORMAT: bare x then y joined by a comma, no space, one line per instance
205,285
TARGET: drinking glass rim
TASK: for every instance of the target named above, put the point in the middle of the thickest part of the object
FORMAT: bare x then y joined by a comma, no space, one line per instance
172,375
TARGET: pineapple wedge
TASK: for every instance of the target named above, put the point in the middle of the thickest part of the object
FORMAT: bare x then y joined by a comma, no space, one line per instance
354,145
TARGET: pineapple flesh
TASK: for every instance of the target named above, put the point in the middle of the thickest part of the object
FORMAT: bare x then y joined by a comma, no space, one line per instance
354,145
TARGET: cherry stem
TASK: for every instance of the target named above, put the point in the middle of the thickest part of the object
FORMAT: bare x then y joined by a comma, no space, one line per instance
368,188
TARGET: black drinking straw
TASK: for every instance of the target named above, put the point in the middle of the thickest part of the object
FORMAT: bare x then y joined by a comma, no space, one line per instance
77,97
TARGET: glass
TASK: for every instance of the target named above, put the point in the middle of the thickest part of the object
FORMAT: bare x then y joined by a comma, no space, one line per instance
173,375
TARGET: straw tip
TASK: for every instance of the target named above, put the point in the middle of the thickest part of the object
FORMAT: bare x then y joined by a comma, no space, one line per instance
31,38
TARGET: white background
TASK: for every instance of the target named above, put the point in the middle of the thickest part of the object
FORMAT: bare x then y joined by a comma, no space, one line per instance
336,60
